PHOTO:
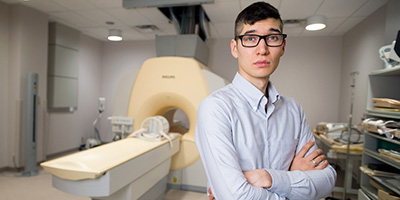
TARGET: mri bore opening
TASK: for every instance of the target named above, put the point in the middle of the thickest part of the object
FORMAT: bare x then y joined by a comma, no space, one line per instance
178,120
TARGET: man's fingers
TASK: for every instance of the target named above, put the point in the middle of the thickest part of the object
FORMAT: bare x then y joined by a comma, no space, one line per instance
305,148
314,154
210,195
320,158
322,165
320,162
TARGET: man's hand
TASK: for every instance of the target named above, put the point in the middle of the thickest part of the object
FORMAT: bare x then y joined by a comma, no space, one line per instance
258,178
313,161
210,195
261,177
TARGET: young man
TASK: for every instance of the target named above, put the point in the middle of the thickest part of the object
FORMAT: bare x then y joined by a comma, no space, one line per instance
254,143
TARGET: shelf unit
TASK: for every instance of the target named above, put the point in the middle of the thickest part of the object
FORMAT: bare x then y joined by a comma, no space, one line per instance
384,83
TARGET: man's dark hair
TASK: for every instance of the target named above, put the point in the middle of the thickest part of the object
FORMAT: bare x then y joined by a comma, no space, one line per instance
256,12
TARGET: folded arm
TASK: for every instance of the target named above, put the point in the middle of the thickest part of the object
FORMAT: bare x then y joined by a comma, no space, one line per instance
220,158
313,184
227,179
307,178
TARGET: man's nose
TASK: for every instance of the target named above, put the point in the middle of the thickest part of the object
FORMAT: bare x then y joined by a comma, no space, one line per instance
262,47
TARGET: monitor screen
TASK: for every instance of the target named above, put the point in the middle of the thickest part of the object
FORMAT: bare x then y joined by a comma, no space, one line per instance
397,44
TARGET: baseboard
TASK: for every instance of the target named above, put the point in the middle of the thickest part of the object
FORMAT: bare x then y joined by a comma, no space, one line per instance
187,188
48,157
62,153
11,169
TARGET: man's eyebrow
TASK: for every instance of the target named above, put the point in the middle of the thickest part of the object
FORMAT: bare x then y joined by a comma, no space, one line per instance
249,31
275,30
271,29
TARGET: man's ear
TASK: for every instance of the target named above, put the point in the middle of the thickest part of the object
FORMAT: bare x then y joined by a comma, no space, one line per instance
234,48
283,47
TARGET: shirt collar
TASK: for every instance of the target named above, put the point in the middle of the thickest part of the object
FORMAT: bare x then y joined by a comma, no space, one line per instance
274,96
252,94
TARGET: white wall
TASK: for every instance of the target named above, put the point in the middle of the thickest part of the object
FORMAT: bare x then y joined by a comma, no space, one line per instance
66,130
392,21
221,60
4,55
120,58
310,73
360,53
28,53
23,49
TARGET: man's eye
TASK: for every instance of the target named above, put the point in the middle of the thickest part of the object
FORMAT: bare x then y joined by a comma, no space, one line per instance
273,38
251,38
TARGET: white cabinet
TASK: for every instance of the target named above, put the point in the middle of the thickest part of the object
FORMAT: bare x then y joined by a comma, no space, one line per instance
63,67
383,83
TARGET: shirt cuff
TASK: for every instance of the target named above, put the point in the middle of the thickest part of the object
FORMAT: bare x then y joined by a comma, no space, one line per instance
280,182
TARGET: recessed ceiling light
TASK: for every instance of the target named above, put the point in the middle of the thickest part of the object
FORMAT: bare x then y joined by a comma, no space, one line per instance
115,35
316,23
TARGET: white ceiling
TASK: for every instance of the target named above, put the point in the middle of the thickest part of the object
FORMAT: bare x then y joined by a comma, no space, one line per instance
90,16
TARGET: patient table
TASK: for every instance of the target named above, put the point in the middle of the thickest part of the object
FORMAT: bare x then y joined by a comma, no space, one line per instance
133,168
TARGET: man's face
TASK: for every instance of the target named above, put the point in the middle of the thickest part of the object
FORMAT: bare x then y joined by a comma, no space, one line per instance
258,63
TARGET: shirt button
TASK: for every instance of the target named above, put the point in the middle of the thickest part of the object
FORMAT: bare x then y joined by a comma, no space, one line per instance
254,108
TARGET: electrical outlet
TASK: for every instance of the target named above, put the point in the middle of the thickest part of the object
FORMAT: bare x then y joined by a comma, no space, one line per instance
121,124
122,120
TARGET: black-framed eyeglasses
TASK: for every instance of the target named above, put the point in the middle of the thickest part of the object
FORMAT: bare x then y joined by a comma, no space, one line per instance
272,40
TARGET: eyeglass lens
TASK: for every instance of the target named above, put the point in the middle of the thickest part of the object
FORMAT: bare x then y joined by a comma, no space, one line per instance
271,40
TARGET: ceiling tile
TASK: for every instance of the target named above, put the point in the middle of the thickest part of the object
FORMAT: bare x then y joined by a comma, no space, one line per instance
154,15
102,33
335,8
45,6
245,3
96,32
348,24
90,16
167,29
224,11
135,35
73,18
295,9
331,25
293,31
129,16
106,3
369,8
99,17
75,4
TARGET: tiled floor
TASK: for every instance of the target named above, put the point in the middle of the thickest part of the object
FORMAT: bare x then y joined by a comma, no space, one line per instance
184,195
15,187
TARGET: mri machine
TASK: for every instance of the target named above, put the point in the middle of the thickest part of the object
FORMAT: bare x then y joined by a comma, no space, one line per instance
133,168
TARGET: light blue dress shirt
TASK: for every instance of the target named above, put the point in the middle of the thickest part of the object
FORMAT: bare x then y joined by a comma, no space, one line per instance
234,133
